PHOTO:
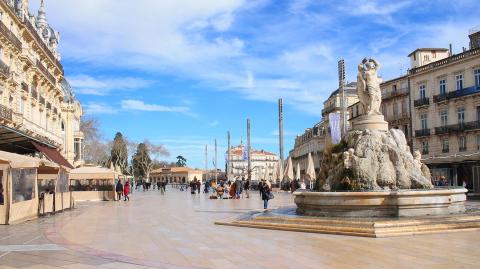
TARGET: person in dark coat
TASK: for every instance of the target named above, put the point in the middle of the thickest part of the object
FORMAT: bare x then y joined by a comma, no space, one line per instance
119,189
246,187
238,188
265,191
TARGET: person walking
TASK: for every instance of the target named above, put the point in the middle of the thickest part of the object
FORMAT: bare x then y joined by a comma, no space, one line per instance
126,191
266,194
119,190
238,188
246,187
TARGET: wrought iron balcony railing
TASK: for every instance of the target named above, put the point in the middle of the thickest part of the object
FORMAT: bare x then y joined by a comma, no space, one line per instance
421,102
10,36
45,72
456,94
5,113
457,128
398,92
422,132
4,69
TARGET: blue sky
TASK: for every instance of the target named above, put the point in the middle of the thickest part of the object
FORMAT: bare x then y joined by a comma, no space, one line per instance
182,73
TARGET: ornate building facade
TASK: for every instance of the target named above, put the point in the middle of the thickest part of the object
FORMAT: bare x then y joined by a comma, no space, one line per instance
39,114
262,163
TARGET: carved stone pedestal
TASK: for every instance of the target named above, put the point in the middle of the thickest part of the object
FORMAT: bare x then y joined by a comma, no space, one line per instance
370,122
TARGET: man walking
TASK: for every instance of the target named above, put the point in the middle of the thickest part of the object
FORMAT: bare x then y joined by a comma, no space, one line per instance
246,187
238,187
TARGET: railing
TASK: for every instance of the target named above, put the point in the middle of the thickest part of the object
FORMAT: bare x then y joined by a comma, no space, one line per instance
41,131
10,36
422,132
45,72
39,40
459,127
329,109
450,59
440,97
4,69
398,92
5,113
421,102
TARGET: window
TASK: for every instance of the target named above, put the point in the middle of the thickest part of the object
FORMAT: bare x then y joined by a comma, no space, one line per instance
462,143
425,147
405,130
476,74
424,121
395,110
461,115
394,88
423,93
478,142
443,86
23,181
445,145
459,82
426,58
444,117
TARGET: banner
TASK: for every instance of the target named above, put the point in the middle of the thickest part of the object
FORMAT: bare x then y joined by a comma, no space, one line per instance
334,123
244,153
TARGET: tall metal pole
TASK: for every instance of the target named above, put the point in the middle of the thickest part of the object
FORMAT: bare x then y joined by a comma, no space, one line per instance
228,156
280,132
341,84
216,170
206,162
249,148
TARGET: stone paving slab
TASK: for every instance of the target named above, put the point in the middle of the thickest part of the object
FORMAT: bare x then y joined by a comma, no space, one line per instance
177,230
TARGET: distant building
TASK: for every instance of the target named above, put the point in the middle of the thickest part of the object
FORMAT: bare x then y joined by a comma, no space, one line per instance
334,103
176,175
311,141
260,160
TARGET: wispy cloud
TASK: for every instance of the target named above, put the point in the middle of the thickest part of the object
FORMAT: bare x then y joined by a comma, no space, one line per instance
138,105
94,108
88,85
213,123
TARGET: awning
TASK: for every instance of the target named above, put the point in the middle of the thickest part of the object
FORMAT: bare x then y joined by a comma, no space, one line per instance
53,155
21,161
92,172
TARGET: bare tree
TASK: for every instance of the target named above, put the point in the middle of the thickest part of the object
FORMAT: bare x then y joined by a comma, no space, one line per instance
143,161
96,150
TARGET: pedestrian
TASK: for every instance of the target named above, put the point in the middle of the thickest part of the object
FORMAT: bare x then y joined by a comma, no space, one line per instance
159,185
119,190
266,194
199,186
193,186
260,187
126,191
238,187
246,187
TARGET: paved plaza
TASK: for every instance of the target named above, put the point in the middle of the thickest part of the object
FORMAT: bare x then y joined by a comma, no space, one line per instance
176,230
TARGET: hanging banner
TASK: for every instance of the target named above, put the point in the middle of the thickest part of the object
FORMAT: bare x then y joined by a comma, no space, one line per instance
244,153
334,123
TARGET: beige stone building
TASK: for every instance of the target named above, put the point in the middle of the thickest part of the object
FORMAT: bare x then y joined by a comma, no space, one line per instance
262,163
334,103
445,96
396,105
39,114
312,141
176,175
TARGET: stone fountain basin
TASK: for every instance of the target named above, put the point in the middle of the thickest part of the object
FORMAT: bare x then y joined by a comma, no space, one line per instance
400,203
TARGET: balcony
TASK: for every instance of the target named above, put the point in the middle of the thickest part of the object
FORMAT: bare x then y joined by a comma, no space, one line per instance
327,110
458,128
422,132
440,98
5,113
4,70
42,44
45,72
10,36
398,92
40,131
421,102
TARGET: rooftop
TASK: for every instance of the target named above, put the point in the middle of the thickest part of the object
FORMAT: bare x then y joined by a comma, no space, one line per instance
427,49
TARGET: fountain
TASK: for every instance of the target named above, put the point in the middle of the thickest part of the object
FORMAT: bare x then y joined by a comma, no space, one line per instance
370,184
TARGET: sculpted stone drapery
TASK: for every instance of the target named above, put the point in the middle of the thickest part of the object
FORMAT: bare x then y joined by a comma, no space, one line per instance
368,86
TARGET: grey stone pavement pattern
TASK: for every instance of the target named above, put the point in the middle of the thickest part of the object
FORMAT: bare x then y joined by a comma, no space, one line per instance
177,230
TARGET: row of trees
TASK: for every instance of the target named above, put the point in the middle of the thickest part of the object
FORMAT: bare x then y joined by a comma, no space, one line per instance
128,157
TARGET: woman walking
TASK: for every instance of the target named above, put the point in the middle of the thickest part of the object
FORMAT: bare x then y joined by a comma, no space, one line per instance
119,190
126,191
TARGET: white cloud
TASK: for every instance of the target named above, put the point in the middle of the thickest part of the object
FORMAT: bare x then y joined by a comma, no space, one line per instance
141,106
93,108
375,7
88,85
213,123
